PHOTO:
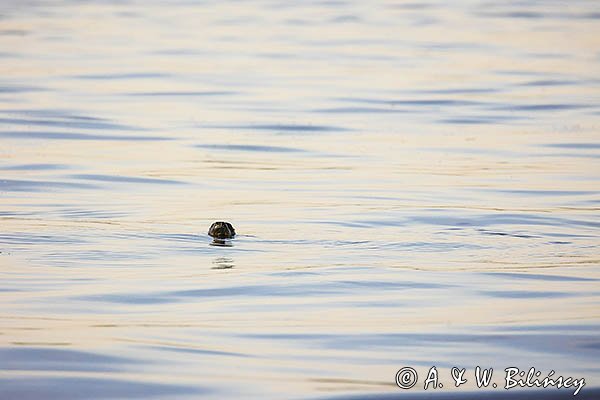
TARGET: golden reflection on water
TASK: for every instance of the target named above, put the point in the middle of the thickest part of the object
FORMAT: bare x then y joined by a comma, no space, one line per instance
411,186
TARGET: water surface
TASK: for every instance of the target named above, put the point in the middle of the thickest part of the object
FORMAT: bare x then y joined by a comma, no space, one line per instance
413,184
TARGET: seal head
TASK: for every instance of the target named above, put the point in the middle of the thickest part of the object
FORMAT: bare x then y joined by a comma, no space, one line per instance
221,230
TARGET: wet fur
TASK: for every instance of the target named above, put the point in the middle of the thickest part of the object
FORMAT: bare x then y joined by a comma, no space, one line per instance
221,230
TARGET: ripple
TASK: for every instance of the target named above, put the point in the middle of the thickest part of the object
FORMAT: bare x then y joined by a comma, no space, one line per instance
124,179
569,155
178,237
87,213
481,120
415,102
538,277
183,93
128,298
576,146
78,136
35,167
80,388
13,185
543,107
53,113
281,127
360,110
526,192
13,32
515,235
253,148
68,124
528,294
541,341
196,351
465,90
539,15
53,359
481,220
35,239
550,82
126,76
15,88
250,291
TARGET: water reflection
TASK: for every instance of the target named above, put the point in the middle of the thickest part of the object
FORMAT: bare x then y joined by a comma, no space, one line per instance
221,242
223,262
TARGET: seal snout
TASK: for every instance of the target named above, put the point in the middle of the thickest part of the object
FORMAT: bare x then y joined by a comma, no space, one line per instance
221,230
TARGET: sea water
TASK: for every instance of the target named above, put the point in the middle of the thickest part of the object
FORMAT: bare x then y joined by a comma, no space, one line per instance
414,184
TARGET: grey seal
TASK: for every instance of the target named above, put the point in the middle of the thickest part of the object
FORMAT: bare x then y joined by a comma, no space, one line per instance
221,230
